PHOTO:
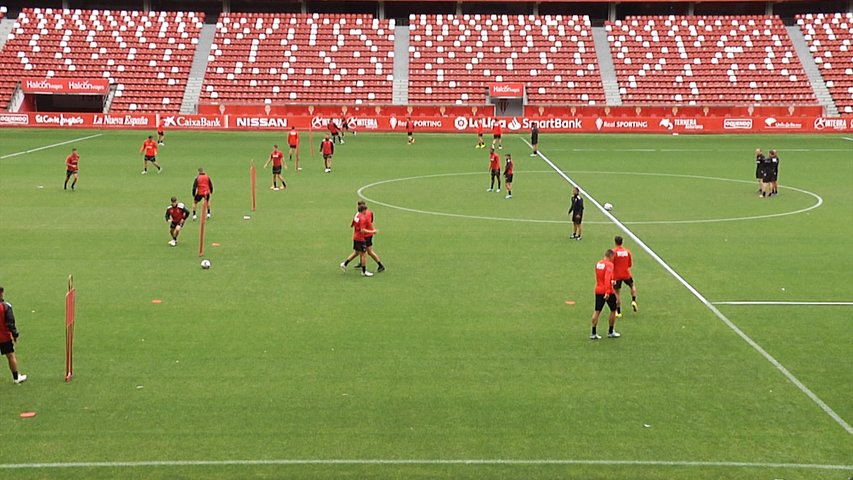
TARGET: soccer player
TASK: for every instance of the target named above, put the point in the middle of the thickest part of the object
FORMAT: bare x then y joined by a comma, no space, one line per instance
149,147
772,168
410,130
9,337
534,139
622,273
508,164
71,169
359,230
293,143
161,135
604,294
494,170
368,237
759,169
480,142
202,189
277,159
327,148
346,127
576,212
176,215
335,131
497,134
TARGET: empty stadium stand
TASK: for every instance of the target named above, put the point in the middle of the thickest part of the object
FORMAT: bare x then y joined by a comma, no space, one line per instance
830,40
301,58
707,60
145,55
453,58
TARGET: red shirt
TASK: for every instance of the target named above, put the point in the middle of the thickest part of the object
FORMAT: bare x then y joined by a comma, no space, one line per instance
410,126
276,156
368,222
494,161
479,127
508,169
293,138
6,335
603,277
358,222
71,162
203,185
178,213
496,128
327,147
333,127
160,127
622,263
150,147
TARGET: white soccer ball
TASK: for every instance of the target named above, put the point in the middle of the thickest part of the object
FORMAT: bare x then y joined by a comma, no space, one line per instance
608,206
205,264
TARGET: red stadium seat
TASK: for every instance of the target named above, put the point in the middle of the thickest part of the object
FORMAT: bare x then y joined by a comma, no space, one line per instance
830,39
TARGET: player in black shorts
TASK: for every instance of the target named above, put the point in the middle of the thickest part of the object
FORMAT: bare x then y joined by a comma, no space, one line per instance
759,169
534,140
772,172
576,212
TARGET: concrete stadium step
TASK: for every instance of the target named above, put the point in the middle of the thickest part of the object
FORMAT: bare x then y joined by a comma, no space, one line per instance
818,85
189,104
6,26
606,67
400,92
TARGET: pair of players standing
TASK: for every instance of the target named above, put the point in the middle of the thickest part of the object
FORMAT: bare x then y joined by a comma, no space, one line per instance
610,273
495,172
177,213
767,173
362,241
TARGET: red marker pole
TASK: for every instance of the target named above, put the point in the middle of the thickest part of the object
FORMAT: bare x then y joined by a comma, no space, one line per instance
254,180
70,304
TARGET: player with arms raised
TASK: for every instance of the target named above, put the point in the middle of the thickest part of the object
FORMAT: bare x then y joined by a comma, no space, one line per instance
604,294
176,215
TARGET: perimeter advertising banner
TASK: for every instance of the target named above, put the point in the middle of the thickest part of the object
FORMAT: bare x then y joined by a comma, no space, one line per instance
72,86
439,124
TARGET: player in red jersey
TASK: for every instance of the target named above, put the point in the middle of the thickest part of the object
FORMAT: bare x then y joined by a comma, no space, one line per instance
9,337
368,238
622,273
176,215
604,294
161,135
494,170
293,143
327,148
508,167
497,133
149,149
71,168
480,142
360,228
335,131
202,189
277,159
410,130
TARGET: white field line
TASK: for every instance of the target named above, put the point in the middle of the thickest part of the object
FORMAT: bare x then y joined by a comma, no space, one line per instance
829,304
10,155
534,462
848,139
646,150
790,376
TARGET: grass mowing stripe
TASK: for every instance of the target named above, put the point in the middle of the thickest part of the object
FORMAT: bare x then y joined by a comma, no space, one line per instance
790,376
24,152
198,463
784,303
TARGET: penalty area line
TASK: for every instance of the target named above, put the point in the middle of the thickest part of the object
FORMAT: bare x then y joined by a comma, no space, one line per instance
827,304
404,462
32,150
752,343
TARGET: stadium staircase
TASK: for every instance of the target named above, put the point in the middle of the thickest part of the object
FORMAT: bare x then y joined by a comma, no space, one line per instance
400,92
810,67
189,104
6,26
605,66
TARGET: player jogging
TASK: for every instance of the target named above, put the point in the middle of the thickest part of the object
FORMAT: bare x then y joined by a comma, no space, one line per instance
277,159
410,130
161,135
359,230
494,170
293,143
9,337
202,189
480,142
508,164
534,139
576,212
71,168
497,135
176,215
368,237
327,148
622,273
335,131
772,173
149,149
604,295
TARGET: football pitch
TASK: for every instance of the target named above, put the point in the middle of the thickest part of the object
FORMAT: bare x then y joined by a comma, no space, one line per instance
469,357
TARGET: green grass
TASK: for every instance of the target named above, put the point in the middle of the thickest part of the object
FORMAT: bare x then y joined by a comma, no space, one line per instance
464,348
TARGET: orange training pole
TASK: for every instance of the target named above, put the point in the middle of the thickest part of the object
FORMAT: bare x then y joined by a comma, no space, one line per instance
70,303
253,175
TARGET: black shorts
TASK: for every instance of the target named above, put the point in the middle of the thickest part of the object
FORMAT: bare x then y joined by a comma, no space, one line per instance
534,139
628,281
368,241
508,178
68,173
327,157
600,301
292,146
7,347
199,198
150,158
276,170
359,246
759,173
770,177
174,225
497,137
577,218
495,173
159,132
